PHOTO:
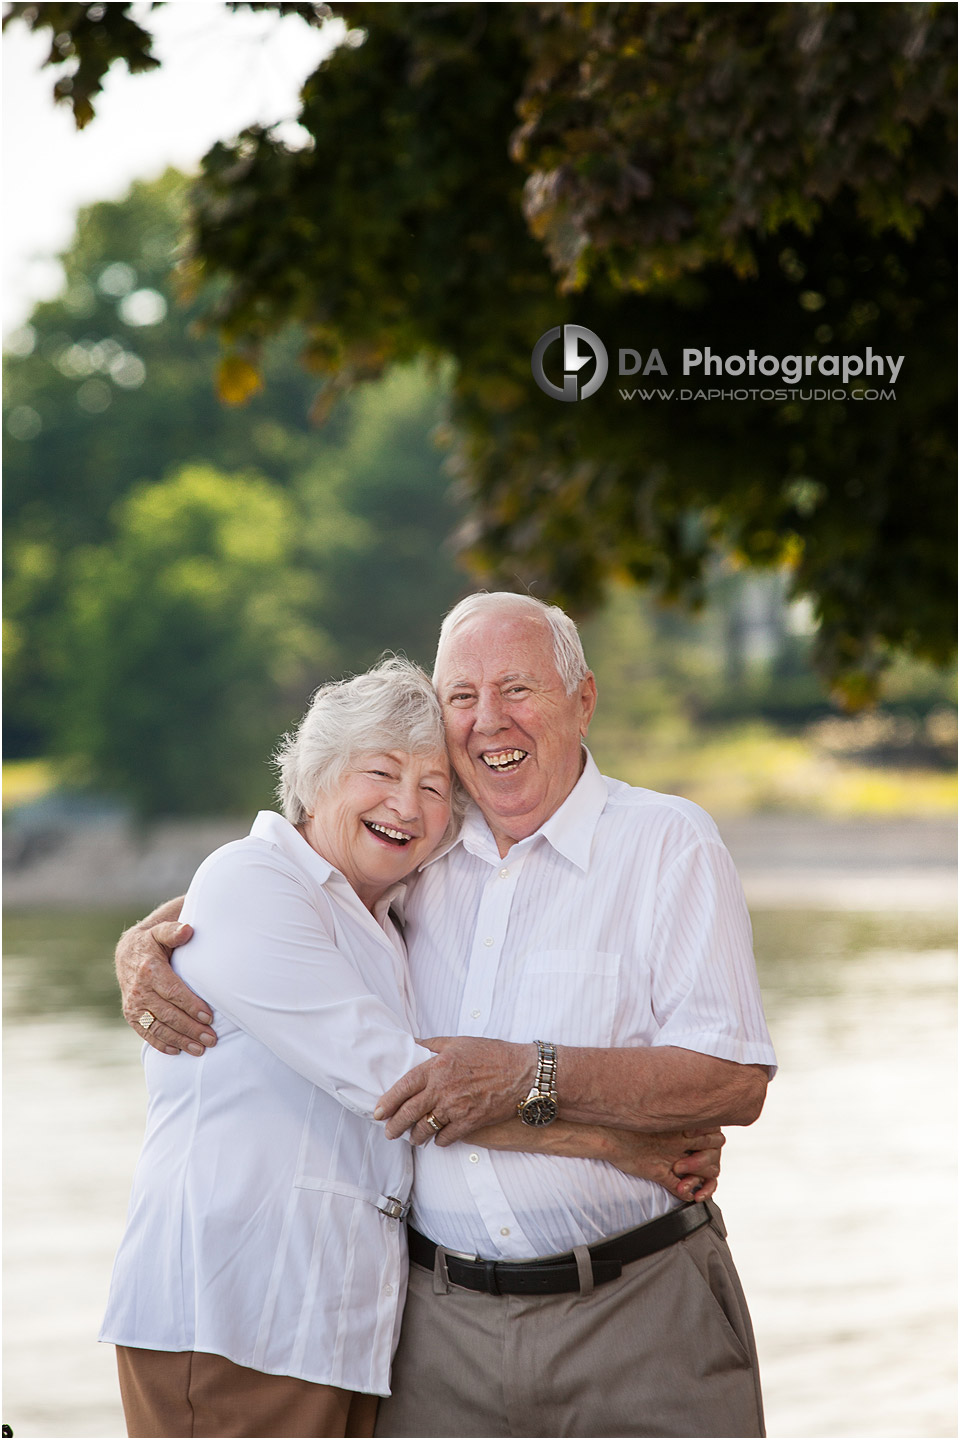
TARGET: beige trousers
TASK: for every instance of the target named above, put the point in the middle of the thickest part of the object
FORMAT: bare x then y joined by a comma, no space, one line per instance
667,1349
188,1393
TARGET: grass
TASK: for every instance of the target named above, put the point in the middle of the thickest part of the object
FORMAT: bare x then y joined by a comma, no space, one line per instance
25,780
752,767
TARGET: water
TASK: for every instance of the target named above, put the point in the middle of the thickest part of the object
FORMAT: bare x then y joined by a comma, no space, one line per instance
839,1202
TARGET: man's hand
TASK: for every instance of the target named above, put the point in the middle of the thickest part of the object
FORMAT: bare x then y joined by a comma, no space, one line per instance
471,1083
682,1161
147,982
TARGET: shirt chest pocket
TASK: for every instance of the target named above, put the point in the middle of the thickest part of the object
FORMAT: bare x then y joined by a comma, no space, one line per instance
567,996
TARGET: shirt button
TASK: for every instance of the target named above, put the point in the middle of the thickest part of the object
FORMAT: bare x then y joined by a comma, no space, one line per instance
504,874
489,940
475,1014
388,1289
474,1159
504,1229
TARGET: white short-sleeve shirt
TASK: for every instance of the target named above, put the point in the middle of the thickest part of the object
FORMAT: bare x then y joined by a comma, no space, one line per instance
621,922
254,1230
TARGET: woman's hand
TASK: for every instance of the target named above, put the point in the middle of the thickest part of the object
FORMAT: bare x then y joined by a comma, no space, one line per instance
685,1162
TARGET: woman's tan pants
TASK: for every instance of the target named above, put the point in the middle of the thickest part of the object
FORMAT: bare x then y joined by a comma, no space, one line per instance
187,1393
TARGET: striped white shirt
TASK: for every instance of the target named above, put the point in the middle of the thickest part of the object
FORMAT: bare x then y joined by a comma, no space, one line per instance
620,922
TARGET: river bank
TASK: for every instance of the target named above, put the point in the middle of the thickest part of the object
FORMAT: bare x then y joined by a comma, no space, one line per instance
785,860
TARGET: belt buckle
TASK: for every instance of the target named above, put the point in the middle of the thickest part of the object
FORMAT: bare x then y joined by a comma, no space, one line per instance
394,1209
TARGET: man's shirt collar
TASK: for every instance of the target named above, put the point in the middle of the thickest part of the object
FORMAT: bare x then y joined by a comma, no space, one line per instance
569,829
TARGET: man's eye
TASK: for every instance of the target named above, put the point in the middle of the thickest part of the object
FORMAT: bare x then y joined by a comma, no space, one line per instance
461,697
518,690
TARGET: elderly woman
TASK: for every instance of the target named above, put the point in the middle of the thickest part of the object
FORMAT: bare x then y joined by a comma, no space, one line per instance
259,1286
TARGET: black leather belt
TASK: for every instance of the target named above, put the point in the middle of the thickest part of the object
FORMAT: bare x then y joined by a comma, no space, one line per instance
559,1273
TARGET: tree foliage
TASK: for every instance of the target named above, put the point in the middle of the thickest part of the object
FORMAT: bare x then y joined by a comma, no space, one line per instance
88,39
661,143
377,512
109,392
769,177
198,591
116,384
110,385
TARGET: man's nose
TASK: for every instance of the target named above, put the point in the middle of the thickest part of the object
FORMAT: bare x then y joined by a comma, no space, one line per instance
490,715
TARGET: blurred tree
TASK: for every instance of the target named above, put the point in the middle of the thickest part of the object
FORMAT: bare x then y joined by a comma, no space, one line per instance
769,177
111,385
391,576
187,644
843,238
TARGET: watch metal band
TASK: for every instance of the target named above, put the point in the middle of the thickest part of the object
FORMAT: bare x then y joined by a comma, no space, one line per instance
546,1080
539,1107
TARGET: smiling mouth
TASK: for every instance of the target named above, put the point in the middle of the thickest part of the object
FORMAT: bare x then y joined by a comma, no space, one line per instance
503,760
384,832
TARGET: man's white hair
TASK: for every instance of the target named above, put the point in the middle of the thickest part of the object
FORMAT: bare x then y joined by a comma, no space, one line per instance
567,650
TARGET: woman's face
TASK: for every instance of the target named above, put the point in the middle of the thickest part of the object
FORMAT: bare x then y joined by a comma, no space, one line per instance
388,813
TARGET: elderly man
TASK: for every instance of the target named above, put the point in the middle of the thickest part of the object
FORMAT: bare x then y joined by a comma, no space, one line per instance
589,946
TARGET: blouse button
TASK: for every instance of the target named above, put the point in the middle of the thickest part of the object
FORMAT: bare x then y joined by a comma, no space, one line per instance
388,1289
504,874
474,1159
504,1229
489,940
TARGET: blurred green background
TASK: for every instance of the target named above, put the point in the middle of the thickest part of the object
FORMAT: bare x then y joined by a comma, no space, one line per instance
280,416
181,573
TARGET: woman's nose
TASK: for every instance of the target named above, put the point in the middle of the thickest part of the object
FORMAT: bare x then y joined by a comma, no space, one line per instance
405,801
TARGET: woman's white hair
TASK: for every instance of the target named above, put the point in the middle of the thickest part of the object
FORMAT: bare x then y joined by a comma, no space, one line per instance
391,707
567,650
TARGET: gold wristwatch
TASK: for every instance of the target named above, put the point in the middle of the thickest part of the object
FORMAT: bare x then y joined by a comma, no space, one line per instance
540,1106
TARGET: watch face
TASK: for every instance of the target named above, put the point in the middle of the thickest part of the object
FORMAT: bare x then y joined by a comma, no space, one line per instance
539,1111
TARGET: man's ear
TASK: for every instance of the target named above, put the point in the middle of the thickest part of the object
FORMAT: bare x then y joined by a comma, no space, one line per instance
588,701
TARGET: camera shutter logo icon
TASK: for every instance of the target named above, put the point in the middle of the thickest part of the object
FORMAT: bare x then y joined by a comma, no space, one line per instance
573,362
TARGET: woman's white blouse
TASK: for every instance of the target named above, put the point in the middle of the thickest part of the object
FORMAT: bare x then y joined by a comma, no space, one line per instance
254,1230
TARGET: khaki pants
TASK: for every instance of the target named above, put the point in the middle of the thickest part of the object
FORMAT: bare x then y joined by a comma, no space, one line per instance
667,1349
188,1393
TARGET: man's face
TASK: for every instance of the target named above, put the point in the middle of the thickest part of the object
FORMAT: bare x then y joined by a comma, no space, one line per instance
513,734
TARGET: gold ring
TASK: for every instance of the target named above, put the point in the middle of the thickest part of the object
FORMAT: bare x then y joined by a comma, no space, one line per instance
434,1123
145,1020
